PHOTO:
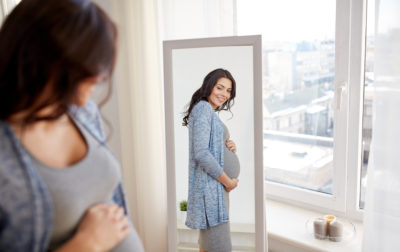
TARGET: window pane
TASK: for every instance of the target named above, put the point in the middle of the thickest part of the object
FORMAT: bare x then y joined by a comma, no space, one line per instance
298,87
368,98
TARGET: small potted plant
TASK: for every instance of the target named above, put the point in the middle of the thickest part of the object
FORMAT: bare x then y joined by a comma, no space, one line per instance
183,208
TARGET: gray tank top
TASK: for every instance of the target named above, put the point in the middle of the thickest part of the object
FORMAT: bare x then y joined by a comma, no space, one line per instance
78,187
231,160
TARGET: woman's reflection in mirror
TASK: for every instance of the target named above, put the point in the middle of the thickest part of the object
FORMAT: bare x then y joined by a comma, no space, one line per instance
213,163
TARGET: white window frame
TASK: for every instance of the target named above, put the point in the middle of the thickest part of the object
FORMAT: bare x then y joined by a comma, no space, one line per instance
349,82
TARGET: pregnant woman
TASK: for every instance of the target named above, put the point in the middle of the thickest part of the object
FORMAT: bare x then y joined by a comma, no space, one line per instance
213,164
60,185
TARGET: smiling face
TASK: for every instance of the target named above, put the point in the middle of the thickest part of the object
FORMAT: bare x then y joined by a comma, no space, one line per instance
220,93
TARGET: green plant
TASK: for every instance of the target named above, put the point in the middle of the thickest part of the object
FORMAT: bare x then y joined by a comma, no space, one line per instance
183,205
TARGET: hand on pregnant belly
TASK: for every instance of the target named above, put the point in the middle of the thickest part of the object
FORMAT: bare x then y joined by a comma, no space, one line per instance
103,226
232,185
230,145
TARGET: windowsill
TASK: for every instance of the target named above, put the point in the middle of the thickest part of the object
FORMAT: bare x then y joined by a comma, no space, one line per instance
286,226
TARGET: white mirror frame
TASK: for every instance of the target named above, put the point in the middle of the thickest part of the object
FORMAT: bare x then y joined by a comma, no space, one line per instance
169,46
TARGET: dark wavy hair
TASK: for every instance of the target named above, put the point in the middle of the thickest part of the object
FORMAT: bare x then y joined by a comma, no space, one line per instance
205,91
52,45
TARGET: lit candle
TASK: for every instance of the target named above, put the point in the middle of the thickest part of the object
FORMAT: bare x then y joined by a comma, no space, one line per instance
329,219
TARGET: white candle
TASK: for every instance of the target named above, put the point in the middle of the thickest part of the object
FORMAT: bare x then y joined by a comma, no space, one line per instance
320,228
336,231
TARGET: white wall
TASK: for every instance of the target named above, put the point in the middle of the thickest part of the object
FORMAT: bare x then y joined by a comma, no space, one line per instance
190,66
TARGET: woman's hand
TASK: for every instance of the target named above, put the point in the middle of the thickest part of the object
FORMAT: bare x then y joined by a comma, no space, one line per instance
102,227
228,183
232,185
230,145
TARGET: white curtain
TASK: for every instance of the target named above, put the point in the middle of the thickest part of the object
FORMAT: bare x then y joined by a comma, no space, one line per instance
137,81
8,5
382,212
184,19
1,13
5,7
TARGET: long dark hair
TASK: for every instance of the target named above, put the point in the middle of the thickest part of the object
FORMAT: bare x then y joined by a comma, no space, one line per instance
52,45
205,90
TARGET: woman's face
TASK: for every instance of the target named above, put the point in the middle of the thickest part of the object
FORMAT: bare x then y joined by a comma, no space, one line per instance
86,89
220,93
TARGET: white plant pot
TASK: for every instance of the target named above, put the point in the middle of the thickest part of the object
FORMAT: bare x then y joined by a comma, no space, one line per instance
183,216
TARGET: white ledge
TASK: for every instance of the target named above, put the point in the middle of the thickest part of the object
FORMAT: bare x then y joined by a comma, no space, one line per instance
286,227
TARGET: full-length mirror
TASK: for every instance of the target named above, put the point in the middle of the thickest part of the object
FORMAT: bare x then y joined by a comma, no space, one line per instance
202,203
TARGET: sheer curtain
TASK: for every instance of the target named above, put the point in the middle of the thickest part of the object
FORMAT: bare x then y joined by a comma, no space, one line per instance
8,5
184,19
382,212
138,85
5,7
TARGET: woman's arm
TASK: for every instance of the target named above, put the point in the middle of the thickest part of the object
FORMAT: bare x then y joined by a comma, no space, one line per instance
201,140
201,131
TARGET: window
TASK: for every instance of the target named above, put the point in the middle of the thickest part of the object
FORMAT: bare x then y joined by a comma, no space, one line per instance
311,153
368,99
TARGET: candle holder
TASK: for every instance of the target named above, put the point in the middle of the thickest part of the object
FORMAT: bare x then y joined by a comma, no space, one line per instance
331,228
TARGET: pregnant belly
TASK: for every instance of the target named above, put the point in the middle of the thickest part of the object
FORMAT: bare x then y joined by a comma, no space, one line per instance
231,163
